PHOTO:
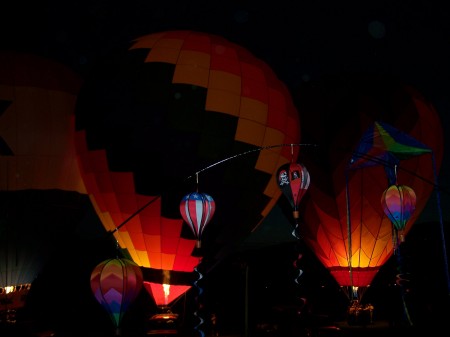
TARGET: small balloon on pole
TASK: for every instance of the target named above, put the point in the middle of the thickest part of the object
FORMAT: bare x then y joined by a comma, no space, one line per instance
399,204
116,283
293,181
197,210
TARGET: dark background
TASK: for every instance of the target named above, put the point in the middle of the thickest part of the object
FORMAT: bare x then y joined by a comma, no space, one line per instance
302,41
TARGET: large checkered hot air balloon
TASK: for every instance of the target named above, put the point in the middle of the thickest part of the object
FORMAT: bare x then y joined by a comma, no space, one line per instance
164,107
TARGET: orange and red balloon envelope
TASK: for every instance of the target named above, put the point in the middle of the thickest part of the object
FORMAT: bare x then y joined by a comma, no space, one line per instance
37,164
163,108
351,105
37,104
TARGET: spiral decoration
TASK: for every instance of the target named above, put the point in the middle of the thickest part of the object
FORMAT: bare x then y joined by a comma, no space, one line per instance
196,313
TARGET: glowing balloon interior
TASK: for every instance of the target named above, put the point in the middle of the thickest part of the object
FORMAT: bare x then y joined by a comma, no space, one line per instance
165,106
343,221
165,294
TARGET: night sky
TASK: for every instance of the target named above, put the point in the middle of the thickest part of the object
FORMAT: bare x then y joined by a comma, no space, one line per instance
302,41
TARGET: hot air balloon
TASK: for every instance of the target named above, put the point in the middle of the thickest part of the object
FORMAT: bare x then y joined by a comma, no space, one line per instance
399,203
197,210
293,180
37,99
343,221
39,175
116,284
168,105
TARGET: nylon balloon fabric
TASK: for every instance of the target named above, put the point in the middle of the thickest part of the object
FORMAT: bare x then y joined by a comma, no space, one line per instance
399,203
338,196
37,104
293,181
116,283
197,210
158,110
40,182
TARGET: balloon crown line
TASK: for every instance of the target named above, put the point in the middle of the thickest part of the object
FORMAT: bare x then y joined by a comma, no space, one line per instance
196,174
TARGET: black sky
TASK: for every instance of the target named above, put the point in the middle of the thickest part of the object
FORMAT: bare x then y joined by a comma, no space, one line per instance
301,40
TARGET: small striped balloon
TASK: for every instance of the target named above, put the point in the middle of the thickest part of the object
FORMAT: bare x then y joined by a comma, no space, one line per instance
197,209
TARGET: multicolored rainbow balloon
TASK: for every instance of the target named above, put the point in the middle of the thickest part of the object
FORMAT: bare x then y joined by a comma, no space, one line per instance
115,284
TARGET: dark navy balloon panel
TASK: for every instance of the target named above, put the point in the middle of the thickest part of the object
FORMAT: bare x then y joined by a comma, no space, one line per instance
165,107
